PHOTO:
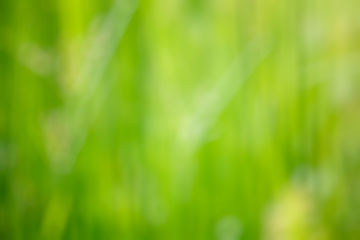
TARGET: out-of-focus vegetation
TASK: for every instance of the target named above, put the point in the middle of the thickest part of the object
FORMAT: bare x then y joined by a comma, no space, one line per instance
179,119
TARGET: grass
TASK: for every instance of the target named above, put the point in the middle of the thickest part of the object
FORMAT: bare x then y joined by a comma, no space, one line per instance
179,119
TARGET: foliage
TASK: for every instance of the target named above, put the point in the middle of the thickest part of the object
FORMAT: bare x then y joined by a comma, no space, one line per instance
191,119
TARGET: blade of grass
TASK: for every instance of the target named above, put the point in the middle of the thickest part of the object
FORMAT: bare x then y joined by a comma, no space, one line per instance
78,114
197,124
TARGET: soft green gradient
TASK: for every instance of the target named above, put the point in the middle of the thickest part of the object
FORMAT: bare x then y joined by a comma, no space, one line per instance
180,119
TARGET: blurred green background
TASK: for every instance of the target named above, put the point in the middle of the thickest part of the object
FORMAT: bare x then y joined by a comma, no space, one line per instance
180,119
